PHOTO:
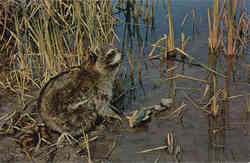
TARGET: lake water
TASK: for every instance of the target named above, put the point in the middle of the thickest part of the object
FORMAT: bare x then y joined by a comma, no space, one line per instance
136,39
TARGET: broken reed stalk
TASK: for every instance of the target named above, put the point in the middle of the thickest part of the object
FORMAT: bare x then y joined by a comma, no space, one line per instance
86,142
190,89
153,149
178,110
205,93
237,96
202,65
195,104
214,102
150,56
184,77
169,39
157,159
156,45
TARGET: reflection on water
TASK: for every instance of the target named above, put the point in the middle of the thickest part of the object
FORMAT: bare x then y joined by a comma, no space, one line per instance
217,136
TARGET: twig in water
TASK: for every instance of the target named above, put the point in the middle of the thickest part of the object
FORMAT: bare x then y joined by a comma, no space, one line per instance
108,154
175,111
196,105
153,149
202,65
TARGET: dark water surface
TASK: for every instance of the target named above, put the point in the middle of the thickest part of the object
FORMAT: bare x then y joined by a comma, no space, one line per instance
192,132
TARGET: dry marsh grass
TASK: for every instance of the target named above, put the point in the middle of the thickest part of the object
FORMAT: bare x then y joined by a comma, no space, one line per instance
49,37
215,33
227,17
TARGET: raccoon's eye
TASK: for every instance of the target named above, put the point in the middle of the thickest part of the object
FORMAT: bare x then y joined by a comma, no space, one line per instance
110,56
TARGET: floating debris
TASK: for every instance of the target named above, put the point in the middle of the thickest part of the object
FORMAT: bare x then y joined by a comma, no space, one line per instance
173,148
153,149
159,108
139,116
166,102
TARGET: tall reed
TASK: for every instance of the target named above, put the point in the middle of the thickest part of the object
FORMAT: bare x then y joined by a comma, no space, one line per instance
237,25
171,28
230,20
215,35
167,40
